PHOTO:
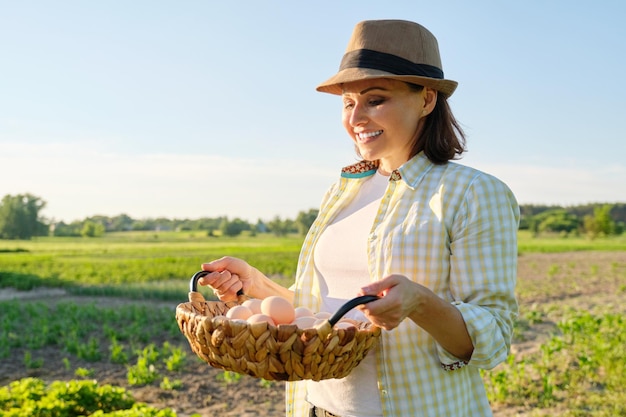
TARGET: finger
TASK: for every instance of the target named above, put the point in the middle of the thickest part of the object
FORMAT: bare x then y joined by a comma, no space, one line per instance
227,282
224,296
223,278
375,288
381,287
229,292
235,287
216,265
239,282
209,279
214,279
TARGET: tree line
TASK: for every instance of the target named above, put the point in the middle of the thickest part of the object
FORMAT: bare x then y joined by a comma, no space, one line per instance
21,218
592,220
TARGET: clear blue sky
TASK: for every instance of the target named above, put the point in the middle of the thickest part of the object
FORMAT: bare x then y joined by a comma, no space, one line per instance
208,108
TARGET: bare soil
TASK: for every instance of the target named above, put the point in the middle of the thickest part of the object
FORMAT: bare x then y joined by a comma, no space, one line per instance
582,280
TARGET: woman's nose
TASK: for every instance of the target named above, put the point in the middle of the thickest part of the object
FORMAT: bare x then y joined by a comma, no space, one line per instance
358,115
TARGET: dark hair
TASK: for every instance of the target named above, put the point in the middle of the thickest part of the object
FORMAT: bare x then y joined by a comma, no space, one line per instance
441,138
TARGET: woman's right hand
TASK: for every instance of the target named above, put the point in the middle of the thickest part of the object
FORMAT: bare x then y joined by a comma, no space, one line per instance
228,275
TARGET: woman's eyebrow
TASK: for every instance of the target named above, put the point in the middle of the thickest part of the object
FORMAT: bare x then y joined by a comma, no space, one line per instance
367,90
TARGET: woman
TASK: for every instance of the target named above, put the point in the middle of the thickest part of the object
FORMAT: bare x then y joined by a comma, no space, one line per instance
436,240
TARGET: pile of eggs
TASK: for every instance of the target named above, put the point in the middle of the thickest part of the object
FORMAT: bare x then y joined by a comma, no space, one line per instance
277,310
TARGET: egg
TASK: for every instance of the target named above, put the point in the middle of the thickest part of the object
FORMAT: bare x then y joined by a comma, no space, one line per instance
239,312
319,322
259,317
279,309
253,304
303,312
323,315
306,322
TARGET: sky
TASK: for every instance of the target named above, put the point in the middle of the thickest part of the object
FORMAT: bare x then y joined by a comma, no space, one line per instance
195,109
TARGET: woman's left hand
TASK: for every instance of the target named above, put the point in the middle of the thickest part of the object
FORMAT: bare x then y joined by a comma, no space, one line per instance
401,298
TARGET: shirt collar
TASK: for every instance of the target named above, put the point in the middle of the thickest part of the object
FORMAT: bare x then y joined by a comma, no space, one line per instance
411,172
414,170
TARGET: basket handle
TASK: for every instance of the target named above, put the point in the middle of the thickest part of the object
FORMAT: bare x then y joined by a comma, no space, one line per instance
363,299
193,283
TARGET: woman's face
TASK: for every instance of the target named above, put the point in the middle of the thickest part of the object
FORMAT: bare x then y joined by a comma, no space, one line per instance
382,118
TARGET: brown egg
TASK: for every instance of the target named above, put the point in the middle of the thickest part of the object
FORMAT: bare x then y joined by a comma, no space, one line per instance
306,322
258,318
279,309
323,315
240,312
253,304
303,312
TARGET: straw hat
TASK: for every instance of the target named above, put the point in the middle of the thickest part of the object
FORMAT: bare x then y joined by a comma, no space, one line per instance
395,49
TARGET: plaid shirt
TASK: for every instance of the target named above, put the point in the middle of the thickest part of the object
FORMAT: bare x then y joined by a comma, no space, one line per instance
452,229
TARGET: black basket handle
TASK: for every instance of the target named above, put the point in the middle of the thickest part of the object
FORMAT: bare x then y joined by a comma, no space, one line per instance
193,283
363,299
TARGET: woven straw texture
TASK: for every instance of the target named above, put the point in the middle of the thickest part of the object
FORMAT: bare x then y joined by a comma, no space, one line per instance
280,353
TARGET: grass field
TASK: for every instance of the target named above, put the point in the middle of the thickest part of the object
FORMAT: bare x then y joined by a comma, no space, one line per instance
154,264
142,264
568,358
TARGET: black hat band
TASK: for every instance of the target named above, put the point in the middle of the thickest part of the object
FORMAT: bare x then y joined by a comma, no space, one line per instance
366,58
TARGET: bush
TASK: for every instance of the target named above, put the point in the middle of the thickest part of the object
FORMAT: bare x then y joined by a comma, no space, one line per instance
31,397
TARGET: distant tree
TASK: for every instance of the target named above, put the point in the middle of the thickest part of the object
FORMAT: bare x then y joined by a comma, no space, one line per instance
600,223
20,218
121,223
103,220
261,227
92,229
278,227
144,224
554,220
233,227
305,220
62,229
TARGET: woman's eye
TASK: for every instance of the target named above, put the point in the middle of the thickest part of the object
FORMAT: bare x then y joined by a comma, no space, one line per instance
371,102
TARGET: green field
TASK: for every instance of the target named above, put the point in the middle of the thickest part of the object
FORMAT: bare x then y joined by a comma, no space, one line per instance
156,264
569,351
145,264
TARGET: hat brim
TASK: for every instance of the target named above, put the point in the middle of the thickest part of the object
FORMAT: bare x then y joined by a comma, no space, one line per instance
333,84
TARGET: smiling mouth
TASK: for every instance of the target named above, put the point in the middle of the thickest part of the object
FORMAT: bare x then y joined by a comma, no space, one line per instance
368,135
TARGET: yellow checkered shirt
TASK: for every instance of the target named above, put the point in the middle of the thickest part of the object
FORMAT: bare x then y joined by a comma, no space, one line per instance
452,229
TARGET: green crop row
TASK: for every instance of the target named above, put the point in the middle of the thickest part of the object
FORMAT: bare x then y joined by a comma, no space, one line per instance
139,337
584,366
85,331
30,397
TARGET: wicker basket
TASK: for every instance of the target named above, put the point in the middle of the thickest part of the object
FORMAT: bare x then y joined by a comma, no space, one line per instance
284,352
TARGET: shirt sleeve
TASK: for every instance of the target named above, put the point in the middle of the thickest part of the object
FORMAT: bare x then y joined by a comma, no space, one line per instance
483,270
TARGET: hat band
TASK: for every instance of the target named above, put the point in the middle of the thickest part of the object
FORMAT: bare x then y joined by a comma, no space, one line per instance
367,58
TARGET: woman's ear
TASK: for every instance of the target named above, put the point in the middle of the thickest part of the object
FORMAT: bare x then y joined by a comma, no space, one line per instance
430,99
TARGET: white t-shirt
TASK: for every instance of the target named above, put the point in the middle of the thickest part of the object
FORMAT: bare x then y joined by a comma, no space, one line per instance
340,258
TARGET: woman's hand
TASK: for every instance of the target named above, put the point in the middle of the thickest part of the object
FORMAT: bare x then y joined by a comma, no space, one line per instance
228,275
402,298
